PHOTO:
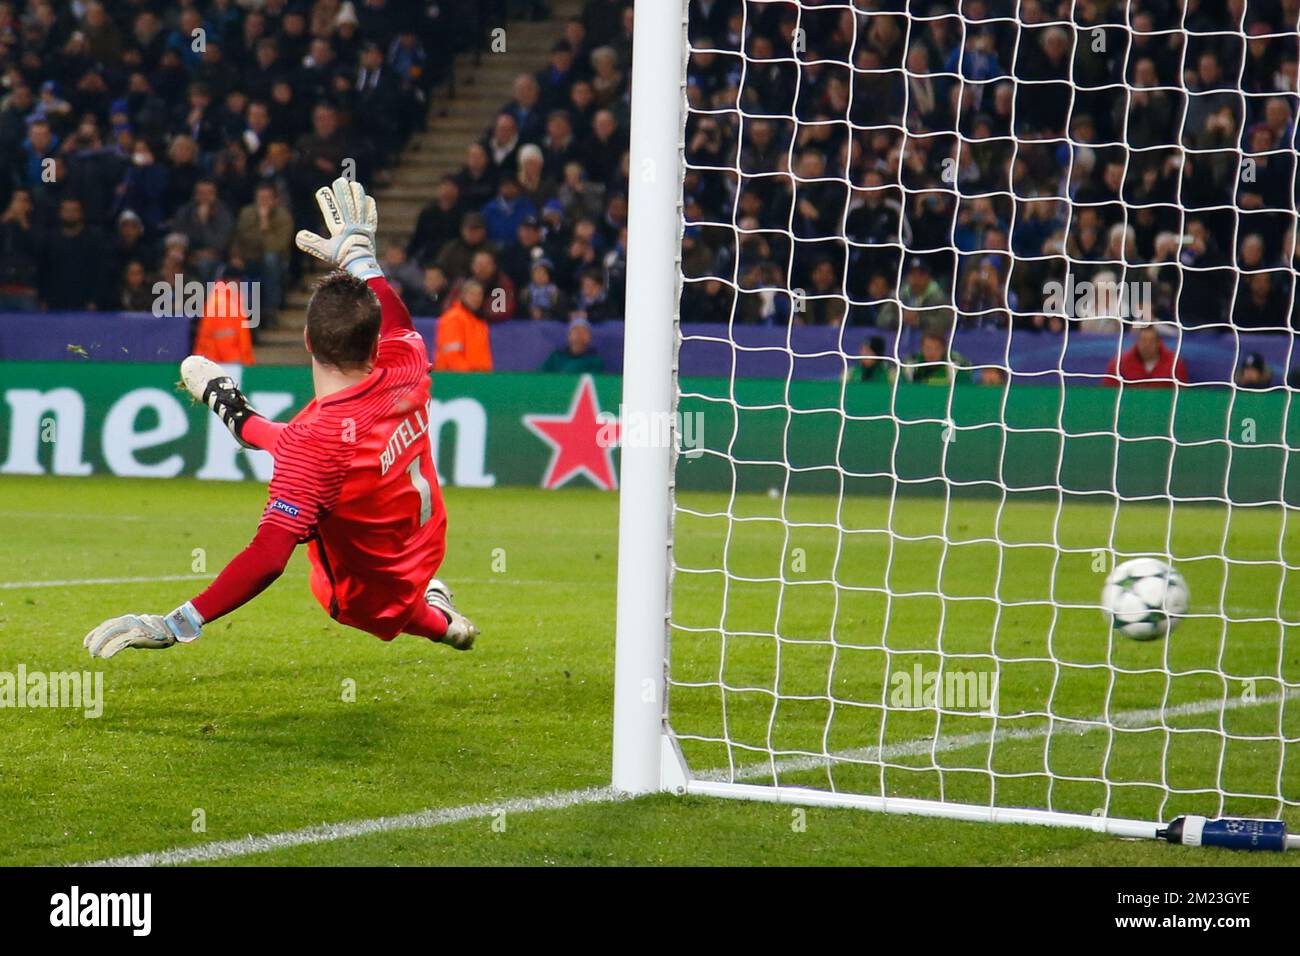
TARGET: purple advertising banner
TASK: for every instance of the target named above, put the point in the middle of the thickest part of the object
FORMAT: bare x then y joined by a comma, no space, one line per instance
745,351
92,336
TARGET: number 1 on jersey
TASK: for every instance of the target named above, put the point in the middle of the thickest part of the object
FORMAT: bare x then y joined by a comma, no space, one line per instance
422,486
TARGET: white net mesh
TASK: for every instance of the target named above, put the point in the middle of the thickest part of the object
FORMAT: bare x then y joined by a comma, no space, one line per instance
978,301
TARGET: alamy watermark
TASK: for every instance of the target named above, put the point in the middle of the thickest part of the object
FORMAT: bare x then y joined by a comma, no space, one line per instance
193,299
1084,299
75,908
947,689
653,430
75,690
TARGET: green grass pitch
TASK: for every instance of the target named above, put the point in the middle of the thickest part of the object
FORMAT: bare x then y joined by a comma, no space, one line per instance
250,730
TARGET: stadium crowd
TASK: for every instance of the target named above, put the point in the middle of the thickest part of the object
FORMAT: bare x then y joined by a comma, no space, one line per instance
844,166
536,218
984,165
143,140
960,164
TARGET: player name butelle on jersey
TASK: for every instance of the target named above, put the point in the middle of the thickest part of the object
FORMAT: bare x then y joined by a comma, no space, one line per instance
410,430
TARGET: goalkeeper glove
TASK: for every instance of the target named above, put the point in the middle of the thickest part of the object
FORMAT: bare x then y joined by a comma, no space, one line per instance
352,219
148,631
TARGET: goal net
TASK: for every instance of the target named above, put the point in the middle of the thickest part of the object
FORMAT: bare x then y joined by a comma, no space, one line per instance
978,300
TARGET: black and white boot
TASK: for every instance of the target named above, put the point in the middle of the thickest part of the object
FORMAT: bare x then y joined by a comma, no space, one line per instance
212,385
461,631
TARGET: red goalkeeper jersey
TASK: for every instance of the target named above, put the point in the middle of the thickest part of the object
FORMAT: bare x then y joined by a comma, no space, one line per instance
354,478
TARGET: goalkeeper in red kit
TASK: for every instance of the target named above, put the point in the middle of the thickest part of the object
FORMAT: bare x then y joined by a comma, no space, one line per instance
354,478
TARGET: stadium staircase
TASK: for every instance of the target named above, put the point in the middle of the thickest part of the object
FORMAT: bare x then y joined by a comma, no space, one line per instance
457,115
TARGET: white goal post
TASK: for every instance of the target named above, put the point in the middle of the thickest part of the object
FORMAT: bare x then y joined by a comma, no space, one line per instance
798,602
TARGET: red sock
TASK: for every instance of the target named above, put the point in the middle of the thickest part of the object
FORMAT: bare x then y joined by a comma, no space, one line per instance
427,622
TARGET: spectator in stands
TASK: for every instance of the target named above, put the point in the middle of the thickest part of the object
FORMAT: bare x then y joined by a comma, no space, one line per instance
577,195
320,156
525,108
506,211
455,256
378,103
579,256
183,172
430,296
577,356
589,303
607,81
993,375
533,181
15,106
582,102
175,257
605,147
263,244
1263,300
559,147
19,255
542,298
40,145
925,304
129,244
1148,363
73,264
477,178
707,301
575,34
257,132
1254,372
823,303
235,182
502,144
614,264
135,293
144,188
93,171
517,257
463,341
498,289
935,363
871,364
198,120
983,300
207,223
556,80
439,222
399,270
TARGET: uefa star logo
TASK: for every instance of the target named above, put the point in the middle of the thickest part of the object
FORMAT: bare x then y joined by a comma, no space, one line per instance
582,441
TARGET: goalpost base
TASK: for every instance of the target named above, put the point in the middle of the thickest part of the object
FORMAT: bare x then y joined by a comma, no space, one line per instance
676,779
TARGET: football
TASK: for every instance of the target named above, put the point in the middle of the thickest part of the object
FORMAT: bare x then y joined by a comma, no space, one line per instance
1144,598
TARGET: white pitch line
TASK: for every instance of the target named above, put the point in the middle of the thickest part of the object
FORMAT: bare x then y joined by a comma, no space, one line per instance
79,582
329,832
72,516
428,819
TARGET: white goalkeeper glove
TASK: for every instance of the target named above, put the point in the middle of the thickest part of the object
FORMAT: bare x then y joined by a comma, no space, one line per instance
352,219
148,631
